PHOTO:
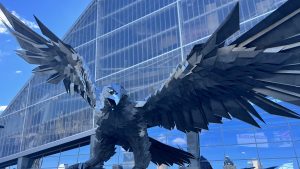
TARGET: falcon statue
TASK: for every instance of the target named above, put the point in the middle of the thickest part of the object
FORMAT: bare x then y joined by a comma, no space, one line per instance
217,80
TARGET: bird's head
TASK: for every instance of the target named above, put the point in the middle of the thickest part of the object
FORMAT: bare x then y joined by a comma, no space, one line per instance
113,94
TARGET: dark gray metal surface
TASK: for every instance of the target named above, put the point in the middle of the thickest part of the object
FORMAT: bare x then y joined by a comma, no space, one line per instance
54,57
218,82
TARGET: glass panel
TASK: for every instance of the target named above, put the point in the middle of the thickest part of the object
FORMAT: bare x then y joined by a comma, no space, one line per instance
115,14
213,153
11,134
297,148
273,134
245,151
71,159
55,119
19,102
276,150
73,152
50,161
138,42
84,150
12,167
211,137
280,163
245,136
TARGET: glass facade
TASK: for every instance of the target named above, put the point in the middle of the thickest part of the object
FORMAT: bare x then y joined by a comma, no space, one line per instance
276,144
61,159
42,113
138,43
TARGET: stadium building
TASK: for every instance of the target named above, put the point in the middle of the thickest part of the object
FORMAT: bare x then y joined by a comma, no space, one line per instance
138,43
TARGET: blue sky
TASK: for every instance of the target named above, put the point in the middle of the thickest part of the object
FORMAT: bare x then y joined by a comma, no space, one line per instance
58,15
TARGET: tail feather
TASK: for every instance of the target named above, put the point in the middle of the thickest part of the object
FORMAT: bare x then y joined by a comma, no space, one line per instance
164,154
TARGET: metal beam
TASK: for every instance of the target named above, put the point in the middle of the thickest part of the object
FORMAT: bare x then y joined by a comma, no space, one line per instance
193,143
50,147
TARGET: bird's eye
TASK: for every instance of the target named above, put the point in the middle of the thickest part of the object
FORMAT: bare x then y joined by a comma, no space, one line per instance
111,92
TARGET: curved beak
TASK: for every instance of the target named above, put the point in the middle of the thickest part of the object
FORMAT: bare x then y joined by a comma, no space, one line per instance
113,100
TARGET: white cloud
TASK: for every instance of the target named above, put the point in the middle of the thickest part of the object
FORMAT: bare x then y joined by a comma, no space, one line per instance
3,29
2,108
3,19
62,166
18,71
30,24
162,138
3,54
179,141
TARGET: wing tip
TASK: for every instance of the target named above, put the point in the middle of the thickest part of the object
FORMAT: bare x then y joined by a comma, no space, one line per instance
2,8
6,13
295,116
45,30
38,21
236,14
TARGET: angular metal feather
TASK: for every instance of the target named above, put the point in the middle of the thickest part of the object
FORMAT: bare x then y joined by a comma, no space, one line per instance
281,24
271,107
53,56
229,26
223,81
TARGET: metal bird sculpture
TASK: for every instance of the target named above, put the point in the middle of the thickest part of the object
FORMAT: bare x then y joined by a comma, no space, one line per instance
215,81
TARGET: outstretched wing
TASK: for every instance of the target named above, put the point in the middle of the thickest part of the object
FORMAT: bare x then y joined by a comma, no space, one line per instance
218,82
279,28
54,57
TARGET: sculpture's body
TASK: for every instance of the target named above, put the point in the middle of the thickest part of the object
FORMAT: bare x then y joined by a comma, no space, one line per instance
121,125
214,82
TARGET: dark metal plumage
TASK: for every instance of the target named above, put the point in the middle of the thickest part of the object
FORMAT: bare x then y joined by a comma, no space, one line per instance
54,57
218,82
